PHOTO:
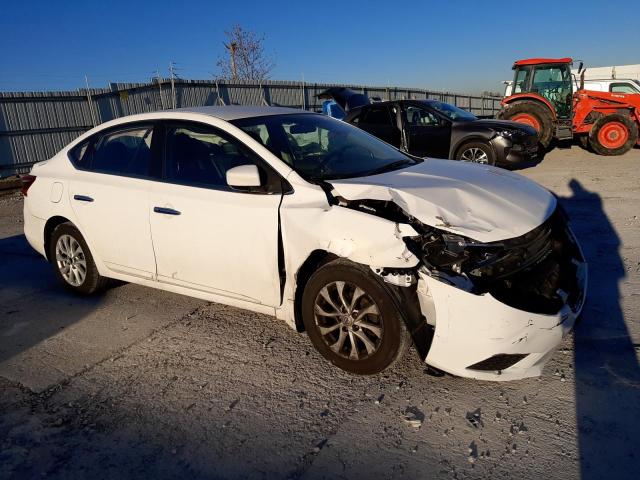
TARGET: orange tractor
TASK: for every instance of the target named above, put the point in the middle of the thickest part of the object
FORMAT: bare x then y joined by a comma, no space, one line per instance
543,96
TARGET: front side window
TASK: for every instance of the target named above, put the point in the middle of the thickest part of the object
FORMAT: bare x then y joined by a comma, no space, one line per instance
322,148
452,112
125,152
420,117
521,81
200,155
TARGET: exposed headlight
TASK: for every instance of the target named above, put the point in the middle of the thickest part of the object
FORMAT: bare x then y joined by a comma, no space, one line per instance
506,134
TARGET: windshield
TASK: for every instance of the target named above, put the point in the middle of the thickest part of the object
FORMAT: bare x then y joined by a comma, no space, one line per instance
452,112
322,148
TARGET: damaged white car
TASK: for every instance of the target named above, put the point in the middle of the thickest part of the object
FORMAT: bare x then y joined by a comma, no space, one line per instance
304,217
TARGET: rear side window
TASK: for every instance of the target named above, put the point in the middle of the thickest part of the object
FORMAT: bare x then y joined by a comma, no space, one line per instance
623,88
125,152
81,155
377,116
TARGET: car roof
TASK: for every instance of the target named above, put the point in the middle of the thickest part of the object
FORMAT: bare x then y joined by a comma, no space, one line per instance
235,112
427,101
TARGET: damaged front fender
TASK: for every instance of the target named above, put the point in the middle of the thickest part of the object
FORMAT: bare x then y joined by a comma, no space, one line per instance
347,233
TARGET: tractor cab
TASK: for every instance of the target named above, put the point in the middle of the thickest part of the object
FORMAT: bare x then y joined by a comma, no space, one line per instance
548,77
542,97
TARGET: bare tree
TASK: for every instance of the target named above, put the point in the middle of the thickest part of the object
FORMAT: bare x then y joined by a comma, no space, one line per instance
244,58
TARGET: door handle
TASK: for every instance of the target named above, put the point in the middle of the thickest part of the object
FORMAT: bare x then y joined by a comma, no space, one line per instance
83,198
166,211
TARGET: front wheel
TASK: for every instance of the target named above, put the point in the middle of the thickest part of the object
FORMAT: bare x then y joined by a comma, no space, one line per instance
476,152
352,320
73,262
613,135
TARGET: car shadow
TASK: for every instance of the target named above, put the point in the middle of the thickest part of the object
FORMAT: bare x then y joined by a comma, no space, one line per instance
33,304
539,158
607,373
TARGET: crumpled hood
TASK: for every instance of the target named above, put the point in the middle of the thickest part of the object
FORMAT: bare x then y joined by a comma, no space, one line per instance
481,202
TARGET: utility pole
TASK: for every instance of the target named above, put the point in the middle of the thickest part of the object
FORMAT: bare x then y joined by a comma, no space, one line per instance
90,101
173,85
304,107
160,88
233,49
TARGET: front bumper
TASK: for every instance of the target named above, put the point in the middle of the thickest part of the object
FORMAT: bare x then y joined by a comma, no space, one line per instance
518,152
477,329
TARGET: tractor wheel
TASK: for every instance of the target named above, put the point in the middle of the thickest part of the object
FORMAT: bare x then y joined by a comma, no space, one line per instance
613,135
533,114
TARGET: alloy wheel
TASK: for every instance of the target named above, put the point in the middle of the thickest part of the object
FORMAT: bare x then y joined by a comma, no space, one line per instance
349,321
71,260
476,155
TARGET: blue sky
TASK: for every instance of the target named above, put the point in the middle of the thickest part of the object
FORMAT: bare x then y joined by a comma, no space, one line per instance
461,45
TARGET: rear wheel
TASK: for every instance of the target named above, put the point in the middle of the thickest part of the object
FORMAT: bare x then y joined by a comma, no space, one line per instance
352,320
533,114
476,152
613,135
73,262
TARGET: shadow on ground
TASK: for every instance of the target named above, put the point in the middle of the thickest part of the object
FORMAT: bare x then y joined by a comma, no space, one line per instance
33,305
606,365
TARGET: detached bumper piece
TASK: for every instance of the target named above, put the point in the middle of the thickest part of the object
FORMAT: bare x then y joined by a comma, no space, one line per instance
509,325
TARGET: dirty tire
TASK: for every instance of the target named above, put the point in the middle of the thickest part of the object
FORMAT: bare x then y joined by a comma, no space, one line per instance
393,339
468,149
531,113
92,281
583,140
613,135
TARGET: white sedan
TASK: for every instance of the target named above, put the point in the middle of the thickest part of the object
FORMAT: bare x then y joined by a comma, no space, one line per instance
303,217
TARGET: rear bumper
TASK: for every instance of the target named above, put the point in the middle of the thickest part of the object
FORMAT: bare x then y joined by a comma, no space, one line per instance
34,230
476,333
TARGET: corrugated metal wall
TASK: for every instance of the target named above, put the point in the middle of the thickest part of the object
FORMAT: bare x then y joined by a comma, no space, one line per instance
35,125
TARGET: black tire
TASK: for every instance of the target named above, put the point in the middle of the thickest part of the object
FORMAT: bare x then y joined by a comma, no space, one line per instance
536,109
604,122
394,337
466,150
92,281
583,140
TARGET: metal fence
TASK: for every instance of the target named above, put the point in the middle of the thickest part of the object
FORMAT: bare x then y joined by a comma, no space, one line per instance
36,125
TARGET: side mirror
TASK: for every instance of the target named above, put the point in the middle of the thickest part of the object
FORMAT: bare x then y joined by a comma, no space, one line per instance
243,176
580,68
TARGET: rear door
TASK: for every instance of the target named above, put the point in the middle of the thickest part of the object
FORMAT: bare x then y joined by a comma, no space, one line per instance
428,134
380,121
109,196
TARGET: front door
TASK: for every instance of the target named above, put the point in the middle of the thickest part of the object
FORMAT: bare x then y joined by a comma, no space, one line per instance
206,235
428,135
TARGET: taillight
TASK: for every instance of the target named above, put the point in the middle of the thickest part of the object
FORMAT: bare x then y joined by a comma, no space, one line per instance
27,181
